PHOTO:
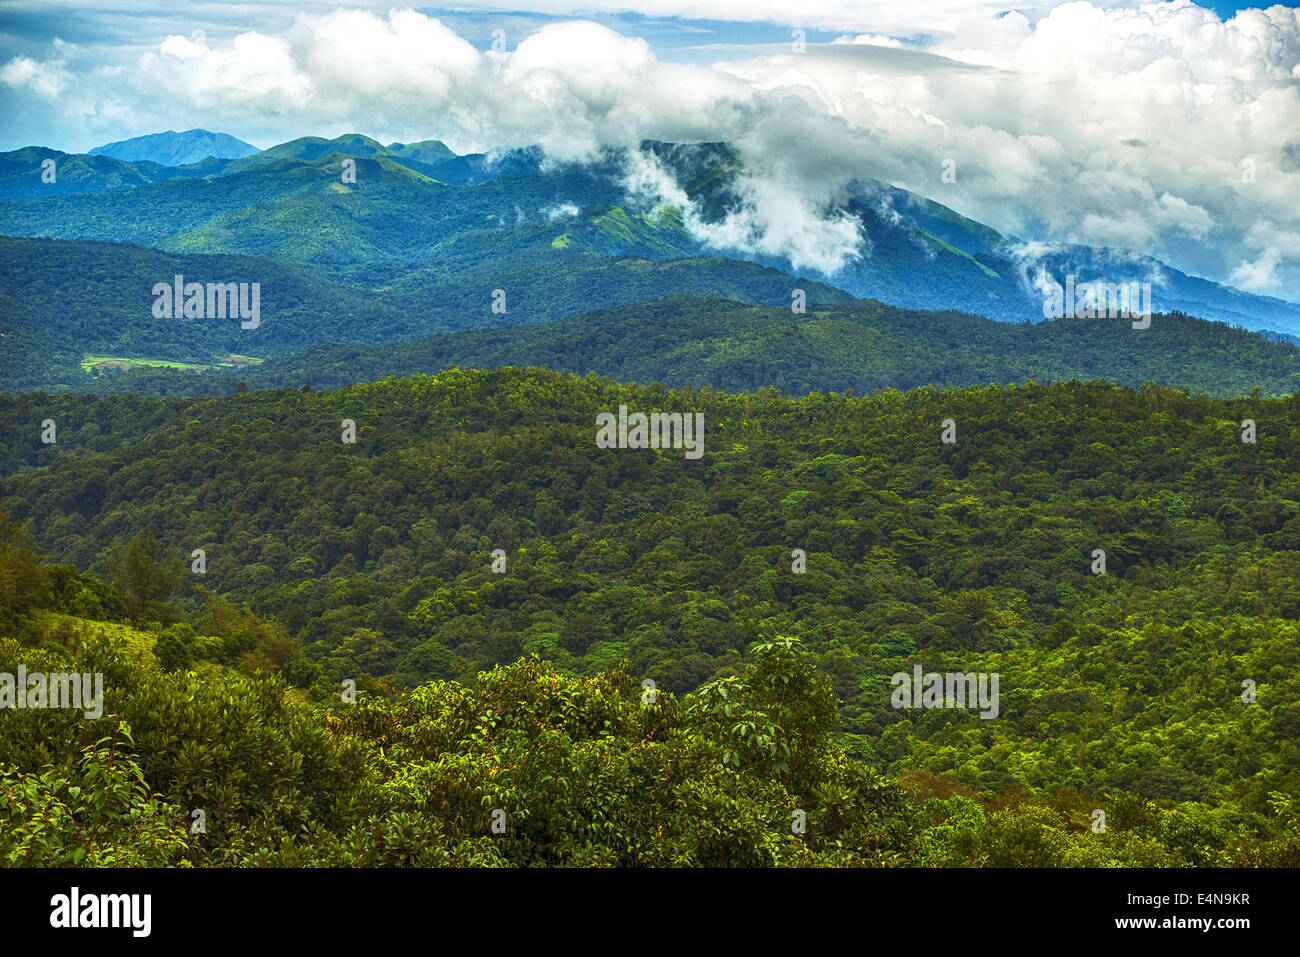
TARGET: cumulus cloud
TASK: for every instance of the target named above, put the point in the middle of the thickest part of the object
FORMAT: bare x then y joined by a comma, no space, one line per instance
1274,245
776,221
46,79
1260,275
1110,127
1042,267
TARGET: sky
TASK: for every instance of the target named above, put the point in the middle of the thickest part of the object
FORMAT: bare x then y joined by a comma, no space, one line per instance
1169,129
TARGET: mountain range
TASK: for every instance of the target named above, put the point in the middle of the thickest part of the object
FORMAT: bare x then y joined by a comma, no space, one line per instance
352,241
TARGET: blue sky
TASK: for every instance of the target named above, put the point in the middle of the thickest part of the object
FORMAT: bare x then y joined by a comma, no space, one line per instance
25,25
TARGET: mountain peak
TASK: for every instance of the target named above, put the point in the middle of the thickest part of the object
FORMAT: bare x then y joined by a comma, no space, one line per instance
425,151
176,149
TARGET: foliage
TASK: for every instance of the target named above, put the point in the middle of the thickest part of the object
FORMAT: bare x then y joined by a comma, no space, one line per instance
1121,692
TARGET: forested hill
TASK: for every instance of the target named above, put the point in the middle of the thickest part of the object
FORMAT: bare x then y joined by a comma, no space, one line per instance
861,345
377,557
64,300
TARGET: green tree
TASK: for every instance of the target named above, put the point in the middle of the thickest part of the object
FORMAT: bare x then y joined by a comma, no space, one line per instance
22,576
146,577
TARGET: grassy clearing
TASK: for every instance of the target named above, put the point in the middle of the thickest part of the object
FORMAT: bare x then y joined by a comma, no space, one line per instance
91,363
134,641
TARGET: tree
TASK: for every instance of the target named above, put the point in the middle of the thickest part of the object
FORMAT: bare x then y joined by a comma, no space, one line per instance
146,577
174,648
249,642
429,659
22,578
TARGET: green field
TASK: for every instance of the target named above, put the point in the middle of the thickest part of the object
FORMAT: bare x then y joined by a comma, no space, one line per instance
91,363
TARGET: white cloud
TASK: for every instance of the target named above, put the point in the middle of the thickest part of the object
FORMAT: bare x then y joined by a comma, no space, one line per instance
870,39
774,220
1119,127
1275,245
1260,275
560,211
47,79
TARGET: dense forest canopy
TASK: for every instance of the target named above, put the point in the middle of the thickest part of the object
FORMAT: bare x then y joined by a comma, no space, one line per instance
474,523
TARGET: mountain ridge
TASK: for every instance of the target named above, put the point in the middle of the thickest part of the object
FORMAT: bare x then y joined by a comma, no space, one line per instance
483,213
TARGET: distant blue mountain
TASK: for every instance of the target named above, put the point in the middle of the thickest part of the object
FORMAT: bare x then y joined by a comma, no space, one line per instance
177,149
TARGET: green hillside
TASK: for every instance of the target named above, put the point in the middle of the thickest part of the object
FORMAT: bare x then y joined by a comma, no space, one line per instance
61,301
74,299
213,760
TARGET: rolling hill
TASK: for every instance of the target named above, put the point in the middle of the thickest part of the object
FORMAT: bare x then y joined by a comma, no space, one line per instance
62,300
860,346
